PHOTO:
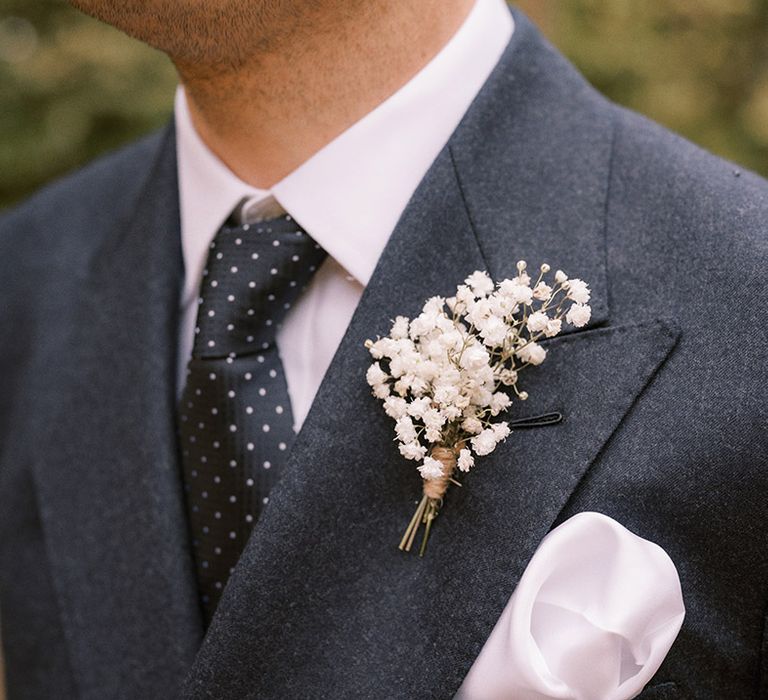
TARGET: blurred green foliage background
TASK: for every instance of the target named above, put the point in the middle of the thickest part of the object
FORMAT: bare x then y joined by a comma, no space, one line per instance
71,88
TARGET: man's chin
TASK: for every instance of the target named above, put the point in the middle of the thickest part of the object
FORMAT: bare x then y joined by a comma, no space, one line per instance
203,33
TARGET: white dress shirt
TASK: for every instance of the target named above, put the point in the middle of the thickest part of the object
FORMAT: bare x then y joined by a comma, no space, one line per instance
348,196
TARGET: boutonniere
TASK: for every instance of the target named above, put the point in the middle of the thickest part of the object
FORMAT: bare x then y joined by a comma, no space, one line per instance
447,376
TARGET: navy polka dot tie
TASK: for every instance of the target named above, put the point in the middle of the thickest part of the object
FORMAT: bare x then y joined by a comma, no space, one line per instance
235,419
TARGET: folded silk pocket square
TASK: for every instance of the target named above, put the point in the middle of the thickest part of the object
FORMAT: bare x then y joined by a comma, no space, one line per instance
594,615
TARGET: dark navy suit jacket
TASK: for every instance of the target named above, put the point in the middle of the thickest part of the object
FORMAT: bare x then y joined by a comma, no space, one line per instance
664,396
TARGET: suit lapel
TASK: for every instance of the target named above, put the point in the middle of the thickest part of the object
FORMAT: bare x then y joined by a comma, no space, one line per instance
322,597
106,471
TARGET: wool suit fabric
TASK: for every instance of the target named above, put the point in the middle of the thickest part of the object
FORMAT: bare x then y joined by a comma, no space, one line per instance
663,397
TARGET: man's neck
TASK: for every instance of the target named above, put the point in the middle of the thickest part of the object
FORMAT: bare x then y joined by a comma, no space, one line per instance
312,81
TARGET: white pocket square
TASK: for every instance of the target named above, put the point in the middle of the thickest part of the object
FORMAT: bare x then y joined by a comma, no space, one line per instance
594,615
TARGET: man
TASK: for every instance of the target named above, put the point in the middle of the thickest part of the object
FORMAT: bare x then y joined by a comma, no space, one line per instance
162,533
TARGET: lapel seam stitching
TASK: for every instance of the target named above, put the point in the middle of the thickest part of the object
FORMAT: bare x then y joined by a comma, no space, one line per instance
667,326
467,210
606,204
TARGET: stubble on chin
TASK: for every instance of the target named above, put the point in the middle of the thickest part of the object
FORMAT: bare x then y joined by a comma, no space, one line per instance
215,36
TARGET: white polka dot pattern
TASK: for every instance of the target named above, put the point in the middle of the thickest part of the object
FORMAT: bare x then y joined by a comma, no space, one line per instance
235,419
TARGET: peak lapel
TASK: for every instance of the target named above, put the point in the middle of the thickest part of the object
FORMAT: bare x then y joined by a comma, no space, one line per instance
323,603
106,471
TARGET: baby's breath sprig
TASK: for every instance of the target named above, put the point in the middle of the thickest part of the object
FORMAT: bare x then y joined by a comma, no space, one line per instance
447,375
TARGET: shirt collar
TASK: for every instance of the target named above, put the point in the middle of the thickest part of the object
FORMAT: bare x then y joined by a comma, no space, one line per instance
350,194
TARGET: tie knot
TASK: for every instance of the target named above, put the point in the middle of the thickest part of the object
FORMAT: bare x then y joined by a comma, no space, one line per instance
253,276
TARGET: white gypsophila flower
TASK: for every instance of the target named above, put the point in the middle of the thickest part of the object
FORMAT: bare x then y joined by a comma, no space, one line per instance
464,295
523,294
403,354
500,401
395,407
578,315
481,396
449,374
462,401
537,322
381,391
472,425
478,311
494,331
377,348
413,450
446,394
432,347
431,316
500,431
417,407
433,435
431,469
532,353
433,419
507,377
398,365
451,340
578,291
501,305
394,348
405,385
427,370
423,324
515,291
466,461
419,366
484,443
405,430
560,277
474,357
480,283
376,375
434,306
452,412
485,376
542,291
554,326
381,348
418,385
404,346
399,328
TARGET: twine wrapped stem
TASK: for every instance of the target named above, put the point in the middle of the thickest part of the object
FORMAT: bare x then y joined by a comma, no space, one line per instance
434,491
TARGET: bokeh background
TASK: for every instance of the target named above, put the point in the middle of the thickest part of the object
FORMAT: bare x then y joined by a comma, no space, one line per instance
71,88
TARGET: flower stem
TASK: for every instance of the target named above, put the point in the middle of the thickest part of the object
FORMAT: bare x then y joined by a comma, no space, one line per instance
432,499
429,516
410,532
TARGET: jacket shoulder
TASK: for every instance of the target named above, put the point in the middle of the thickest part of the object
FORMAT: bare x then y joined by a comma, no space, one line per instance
66,217
686,232
685,191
